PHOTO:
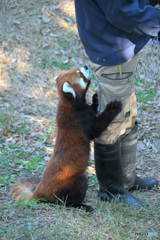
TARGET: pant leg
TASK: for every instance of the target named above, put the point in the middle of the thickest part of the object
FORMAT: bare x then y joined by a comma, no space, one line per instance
117,83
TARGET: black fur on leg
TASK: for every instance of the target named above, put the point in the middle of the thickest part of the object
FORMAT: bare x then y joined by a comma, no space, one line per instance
87,208
73,196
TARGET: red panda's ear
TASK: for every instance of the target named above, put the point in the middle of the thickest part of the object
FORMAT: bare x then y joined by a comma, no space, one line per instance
56,77
68,91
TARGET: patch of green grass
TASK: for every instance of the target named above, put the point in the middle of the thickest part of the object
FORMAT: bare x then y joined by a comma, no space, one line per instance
42,136
26,202
29,10
46,62
29,203
109,221
72,54
64,44
74,19
21,129
6,119
34,163
5,162
61,65
2,139
147,94
6,180
3,230
13,153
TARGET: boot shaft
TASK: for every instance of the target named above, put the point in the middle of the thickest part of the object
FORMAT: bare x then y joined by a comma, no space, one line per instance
108,165
128,155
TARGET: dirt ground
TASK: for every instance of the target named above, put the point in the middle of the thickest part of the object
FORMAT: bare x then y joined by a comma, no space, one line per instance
38,40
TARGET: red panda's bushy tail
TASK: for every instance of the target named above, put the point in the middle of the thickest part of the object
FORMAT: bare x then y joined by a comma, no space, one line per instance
24,189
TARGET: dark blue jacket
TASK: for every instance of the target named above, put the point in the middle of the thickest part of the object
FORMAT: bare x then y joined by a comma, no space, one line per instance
113,31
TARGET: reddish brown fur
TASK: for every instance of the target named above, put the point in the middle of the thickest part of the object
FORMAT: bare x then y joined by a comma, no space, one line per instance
69,159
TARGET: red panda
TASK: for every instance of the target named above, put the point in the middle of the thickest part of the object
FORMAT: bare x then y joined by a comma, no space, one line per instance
64,178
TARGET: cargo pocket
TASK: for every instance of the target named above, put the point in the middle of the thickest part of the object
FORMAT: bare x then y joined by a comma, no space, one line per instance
116,76
110,90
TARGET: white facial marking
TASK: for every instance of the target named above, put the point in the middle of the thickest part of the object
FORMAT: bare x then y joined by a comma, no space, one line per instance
82,83
77,71
56,77
86,73
68,89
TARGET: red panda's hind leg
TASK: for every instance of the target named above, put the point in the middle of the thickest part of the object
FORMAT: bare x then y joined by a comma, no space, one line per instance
74,194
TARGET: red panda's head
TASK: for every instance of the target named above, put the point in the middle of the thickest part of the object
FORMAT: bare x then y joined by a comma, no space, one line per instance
74,83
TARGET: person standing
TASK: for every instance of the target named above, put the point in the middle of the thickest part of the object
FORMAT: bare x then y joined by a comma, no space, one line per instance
112,33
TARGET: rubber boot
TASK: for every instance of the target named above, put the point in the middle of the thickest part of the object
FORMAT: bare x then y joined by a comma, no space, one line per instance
128,153
110,174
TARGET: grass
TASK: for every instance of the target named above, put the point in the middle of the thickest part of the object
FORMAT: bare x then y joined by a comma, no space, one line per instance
147,94
64,44
61,64
53,222
46,62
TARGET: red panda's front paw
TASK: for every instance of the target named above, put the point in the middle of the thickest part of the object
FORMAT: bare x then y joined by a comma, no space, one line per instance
114,106
95,102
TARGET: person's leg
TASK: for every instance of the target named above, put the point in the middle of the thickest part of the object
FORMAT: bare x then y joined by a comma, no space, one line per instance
115,149
128,151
